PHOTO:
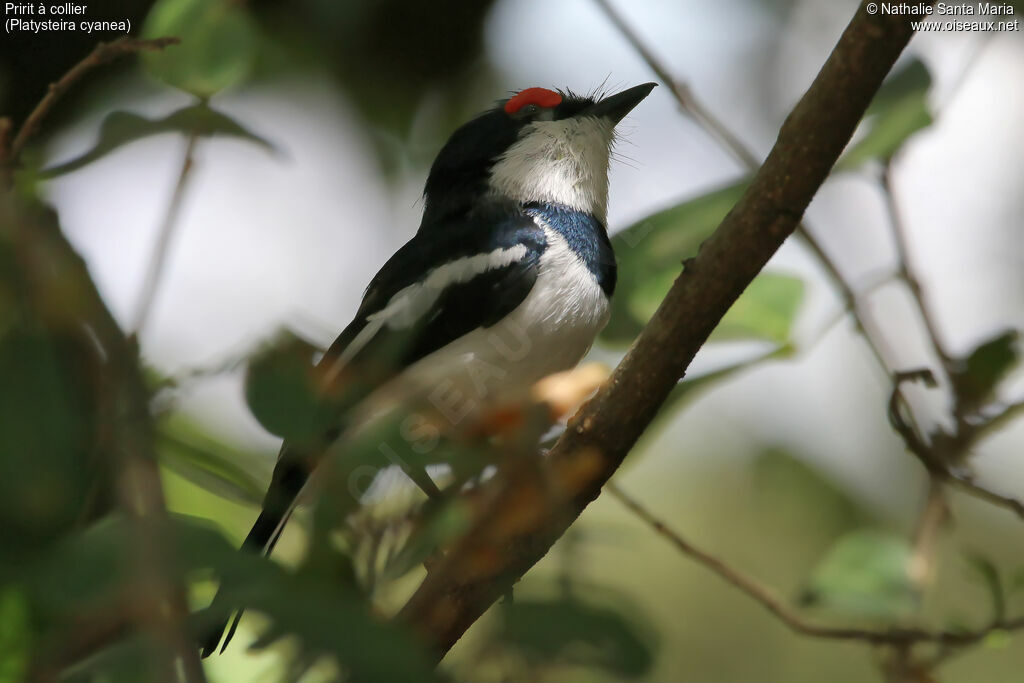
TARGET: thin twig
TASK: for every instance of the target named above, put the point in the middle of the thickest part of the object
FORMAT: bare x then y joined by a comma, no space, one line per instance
934,515
101,54
158,261
997,422
968,485
767,598
930,459
906,270
731,143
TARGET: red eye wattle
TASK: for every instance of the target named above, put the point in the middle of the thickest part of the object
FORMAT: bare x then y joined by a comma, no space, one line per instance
542,97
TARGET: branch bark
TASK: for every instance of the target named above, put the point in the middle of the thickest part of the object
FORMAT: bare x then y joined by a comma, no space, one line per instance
525,515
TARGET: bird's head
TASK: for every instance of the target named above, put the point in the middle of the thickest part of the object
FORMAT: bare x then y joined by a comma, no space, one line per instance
537,146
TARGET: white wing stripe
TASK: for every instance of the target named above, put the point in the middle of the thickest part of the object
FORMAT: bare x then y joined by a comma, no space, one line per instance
412,302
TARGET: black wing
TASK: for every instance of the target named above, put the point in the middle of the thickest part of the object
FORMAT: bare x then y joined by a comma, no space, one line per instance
461,307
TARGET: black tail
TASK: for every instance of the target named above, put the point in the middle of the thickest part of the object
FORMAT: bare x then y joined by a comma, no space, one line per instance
261,539
287,481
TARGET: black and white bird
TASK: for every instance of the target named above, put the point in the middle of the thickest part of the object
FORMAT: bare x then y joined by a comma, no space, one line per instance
507,280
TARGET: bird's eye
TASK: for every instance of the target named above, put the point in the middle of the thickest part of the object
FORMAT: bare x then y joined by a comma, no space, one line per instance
529,110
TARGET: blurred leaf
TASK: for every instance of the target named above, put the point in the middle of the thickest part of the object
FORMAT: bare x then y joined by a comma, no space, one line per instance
281,389
573,631
998,639
765,311
212,464
218,44
325,614
865,574
789,489
899,110
45,437
84,571
975,378
335,622
988,575
120,128
430,56
15,635
90,572
650,255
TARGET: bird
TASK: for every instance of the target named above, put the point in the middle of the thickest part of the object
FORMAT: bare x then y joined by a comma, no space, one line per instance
507,280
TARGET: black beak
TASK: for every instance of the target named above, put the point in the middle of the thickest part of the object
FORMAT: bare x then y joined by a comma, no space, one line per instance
616,106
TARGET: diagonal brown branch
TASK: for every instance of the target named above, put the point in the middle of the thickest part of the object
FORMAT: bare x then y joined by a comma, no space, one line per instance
689,104
523,517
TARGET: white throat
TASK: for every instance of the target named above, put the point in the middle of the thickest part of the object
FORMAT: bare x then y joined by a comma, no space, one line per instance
562,162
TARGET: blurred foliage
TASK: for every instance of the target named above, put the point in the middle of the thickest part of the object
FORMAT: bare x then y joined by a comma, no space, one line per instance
218,44
866,574
899,110
976,377
281,391
121,127
789,487
211,463
650,255
30,61
390,55
569,630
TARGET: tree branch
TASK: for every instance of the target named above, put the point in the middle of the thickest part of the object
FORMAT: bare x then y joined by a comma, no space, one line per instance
523,516
719,132
101,54
791,618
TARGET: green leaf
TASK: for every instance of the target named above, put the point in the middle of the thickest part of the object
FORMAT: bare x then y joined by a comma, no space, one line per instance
120,128
325,614
282,391
218,47
765,311
48,467
865,574
899,110
572,631
650,255
210,463
976,377
988,574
